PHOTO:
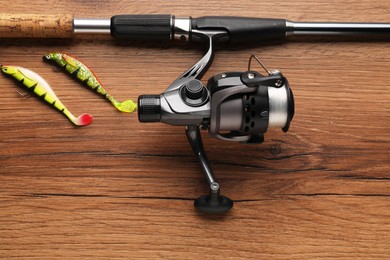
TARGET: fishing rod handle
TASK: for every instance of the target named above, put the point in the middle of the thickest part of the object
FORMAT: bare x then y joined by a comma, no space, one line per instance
142,27
168,27
36,26
233,29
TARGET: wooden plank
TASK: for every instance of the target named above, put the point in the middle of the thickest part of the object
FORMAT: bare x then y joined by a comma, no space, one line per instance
292,227
121,189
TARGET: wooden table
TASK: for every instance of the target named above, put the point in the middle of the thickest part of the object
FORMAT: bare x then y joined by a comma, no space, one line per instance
122,189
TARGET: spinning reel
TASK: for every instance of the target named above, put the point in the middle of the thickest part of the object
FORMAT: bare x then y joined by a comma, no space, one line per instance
233,106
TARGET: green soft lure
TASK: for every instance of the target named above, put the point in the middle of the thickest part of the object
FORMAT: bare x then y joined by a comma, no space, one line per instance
42,89
84,74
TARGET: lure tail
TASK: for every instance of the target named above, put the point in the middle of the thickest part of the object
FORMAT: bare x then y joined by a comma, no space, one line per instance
42,89
127,106
81,71
83,120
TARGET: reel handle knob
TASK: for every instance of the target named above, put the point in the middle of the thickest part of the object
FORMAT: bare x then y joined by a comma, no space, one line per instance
213,203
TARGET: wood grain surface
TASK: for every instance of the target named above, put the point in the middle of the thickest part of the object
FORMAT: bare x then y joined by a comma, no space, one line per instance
119,189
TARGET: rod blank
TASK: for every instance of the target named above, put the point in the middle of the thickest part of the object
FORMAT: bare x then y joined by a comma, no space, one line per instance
91,25
336,29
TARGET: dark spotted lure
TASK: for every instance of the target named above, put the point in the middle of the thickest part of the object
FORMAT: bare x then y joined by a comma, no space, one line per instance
41,88
84,74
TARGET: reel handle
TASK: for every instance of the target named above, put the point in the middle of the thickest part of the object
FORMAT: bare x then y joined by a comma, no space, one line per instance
214,202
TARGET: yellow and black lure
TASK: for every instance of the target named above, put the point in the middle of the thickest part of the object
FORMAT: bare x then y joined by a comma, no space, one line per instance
42,89
81,71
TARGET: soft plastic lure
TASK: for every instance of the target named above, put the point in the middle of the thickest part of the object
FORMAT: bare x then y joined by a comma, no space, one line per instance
41,88
84,74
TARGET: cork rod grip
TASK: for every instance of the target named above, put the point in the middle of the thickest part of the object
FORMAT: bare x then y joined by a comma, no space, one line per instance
36,26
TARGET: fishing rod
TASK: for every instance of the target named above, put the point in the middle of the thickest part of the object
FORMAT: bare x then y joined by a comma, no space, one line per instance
236,106
169,27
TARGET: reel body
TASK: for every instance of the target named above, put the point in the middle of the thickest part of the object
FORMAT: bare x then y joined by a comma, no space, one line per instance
244,105
232,106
